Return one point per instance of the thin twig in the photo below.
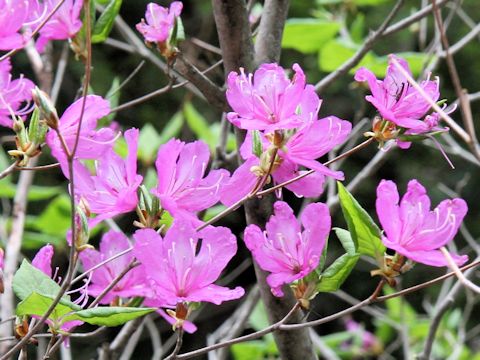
(9, 169)
(453, 266)
(466, 111)
(178, 344)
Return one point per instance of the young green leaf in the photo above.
(346, 240)
(336, 274)
(29, 279)
(308, 35)
(104, 23)
(363, 230)
(38, 304)
(199, 125)
(108, 315)
(257, 145)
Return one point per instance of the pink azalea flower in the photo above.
(414, 231)
(268, 100)
(43, 260)
(283, 249)
(132, 284)
(113, 190)
(13, 15)
(12, 94)
(180, 273)
(183, 188)
(92, 143)
(159, 21)
(313, 140)
(64, 24)
(395, 99)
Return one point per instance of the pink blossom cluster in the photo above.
(285, 112)
(19, 18)
(400, 103)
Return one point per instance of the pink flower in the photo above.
(178, 271)
(43, 260)
(113, 190)
(160, 21)
(395, 99)
(92, 143)
(283, 249)
(268, 100)
(132, 284)
(414, 231)
(12, 94)
(13, 15)
(64, 24)
(182, 187)
(313, 140)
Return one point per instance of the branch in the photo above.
(270, 31)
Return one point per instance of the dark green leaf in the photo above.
(335, 275)
(363, 230)
(104, 23)
(308, 35)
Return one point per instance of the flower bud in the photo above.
(47, 110)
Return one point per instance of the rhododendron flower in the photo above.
(178, 271)
(132, 284)
(283, 249)
(113, 190)
(182, 188)
(411, 229)
(92, 143)
(394, 97)
(13, 15)
(12, 94)
(64, 24)
(159, 21)
(268, 100)
(313, 140)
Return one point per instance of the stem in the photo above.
(453, 266)
(178, 345)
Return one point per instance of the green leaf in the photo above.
(172, 128)
(108, 315)
(363, 230)
(104, 23)
(34, 240)
(213, 211)
(257, 145)
(336, 274)
(308, 35)
(346, 240)
(199, 125)
(148, 143)
(357, 28)
(336, 52)
(55, 219)
(29, 279)
(38, 304)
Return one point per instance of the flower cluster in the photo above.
(403, 110)
(285, 134)
(18, 19)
